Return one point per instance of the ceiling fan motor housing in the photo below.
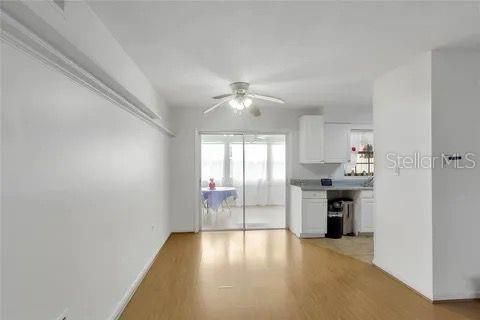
(240, 88)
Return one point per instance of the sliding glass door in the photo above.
(264, 182)
(242, 181)
(221, 198)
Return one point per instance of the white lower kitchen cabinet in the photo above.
(364, 203)
(308, 213)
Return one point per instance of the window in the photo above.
(278, 162)
(255, 161)
(236, 162)
(212, 161)
(222, 159)
(362, 154)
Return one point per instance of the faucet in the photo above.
(369, 182)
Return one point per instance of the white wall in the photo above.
(427, 220)
(1, 192)
(82, 36)
(84, 195)
(360, 115)
(273, 120)
(403, 214)
(456, 218)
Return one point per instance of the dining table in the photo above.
(214, 198)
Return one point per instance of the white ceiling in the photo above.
(308, 53)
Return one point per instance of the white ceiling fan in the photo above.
(241, 99)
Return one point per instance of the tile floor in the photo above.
(360, 247)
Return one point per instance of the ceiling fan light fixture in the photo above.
(235, 104)
(241, 98)
(240, 103)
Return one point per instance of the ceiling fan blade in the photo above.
(223, 96)
(254, 111)
(266, 98)
(215, 106)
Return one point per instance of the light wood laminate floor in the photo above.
(256, 217)
(273, 275)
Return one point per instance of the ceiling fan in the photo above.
(241, 99)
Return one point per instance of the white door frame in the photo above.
(197, 167)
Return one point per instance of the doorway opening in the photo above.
(243, 181)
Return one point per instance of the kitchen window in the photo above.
(361, 154)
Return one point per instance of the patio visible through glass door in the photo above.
(221, 200)
(242, 181)
(265, 181)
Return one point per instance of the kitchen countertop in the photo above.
(340, 184)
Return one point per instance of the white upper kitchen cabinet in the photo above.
(321, 142)
(311, 139)
(336, 137)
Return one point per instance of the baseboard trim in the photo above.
(472, 296)
(306, 235)
(136, 283)
(391, 276)
(365, 234)
(183, 231)
(435, 300)
(440, 301)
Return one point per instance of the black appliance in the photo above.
(326, 182)
(335, 219)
